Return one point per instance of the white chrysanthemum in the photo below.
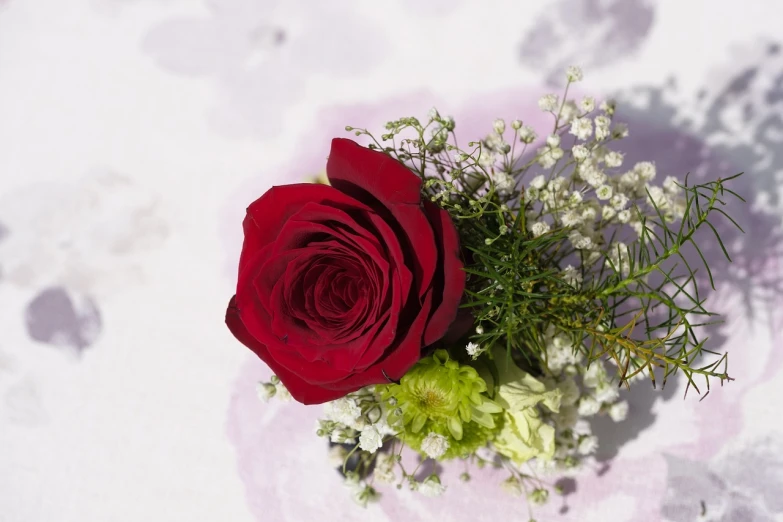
(539, 228)
(603, 192)
(618, 411)
(588, 445)
(548, 102)
(265, 391)
(580, 152)
(619, 201)
(588, 406)
(370, 439)
(587, 104)
(499, 125)
(538, 182)
(527, 134)
(431, 487)
(434, 445)
(582, 128)
(613, 159)
(572, 276)
(574, 74)
(343, 410)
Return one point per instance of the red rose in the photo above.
(342, 286)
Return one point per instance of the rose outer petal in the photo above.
(301, 391)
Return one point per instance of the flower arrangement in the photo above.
(478, 303)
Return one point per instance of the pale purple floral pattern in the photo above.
(260, 55)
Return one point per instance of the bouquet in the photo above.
(478, 301)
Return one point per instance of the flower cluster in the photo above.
(567, 280)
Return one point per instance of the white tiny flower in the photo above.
(548, 102)
(499, 126)
(282, 392)
(670, 185)
(473, 350)
(619, 201)
(567, 417)
(516, 125)
(557, 184)
(579, 241)
(434, 445)
(603, 192)
(571, 218)
(582, 128)
(384, 469)
(539, 228)
(342, 435)
(538, 182)
(624, 216)
(512, 486)
(553, 140)
(265, 391)
(545, 158)
(580, 152)
(504, 183)
(602, 122)
(657, 197)
(433, 114)
(570, 392)
(587, 104)
(618, 411)
(595, 375)
(336, 456)
(527, 134)
(431, 487)
(588, 444)
(531, 194)
(365, 495)
(620, 131)
(589, 213)
(607, 392)
(343, 410)
(479, 329)
(370, 439)
(645, 170)
(607, 106)
(607, 213)
(556, 153)
(582, 427)
(588, 406)
(613, 159)
(572, 276)
(574, 74)
(601, 133)
(568, 112)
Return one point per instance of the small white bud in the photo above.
(516, 125)
(434, 445)
(499, 126)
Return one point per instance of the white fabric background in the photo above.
(133, 133)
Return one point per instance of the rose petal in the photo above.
(449, 283)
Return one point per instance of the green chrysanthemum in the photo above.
(441, 395)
